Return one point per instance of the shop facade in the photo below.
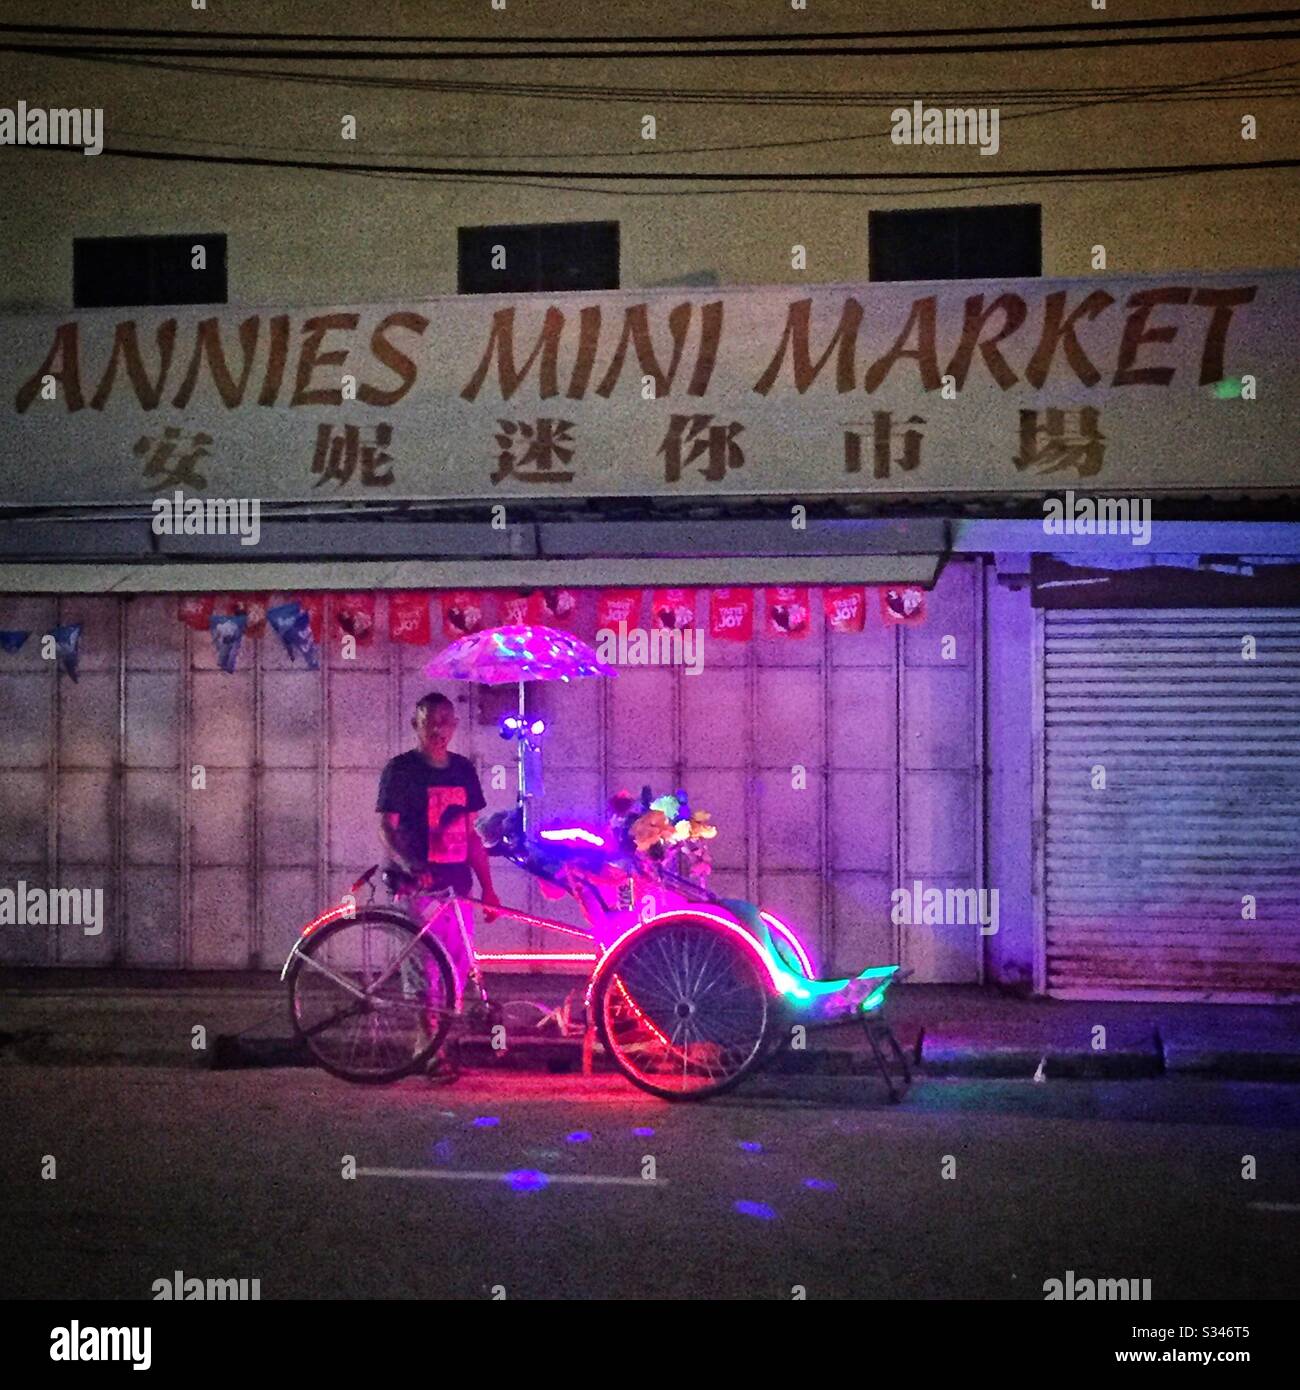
(1111, 775)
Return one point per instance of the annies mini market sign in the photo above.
(1140, 384)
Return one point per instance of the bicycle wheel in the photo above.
(684, 1009)
(370, 1001)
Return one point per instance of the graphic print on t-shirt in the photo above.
(449, 845)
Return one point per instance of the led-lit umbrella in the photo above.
(515, 655)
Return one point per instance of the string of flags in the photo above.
(63, 643)
(299, 620)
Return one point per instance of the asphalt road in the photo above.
(801, 1182)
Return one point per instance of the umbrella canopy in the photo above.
(504, 655)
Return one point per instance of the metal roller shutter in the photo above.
(1144, 880)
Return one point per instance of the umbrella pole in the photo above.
(523, 773)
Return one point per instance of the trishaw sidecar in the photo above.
(689, 991)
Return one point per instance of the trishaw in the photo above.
(688, 992)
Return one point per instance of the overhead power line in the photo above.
(692, 52)
(852, 35)
(716, 176)
(663, 94)
(1152, 96)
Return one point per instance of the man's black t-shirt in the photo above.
(431, 827)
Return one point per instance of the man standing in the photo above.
(427, 799)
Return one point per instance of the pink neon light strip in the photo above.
(694, 914)
(796, 945)
(535, 955)
(528, 917)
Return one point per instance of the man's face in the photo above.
(434, 728)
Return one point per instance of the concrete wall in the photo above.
(1009, 646)
(312, 237)
(835, 766)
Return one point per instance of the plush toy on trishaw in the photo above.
(689, 992)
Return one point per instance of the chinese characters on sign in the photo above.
(773, 390)
(1067, 439)
(337, 456)
(547, 442)
(182, 472)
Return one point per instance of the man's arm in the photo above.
(480, 863)
(388, 822)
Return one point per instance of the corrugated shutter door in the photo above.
(1144, 880)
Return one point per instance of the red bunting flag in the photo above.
(845, 607)
(551, 607)
(618, 606)
(672, 608)
(355, 615)
(253, 608)
(408, 617)
(731, 614)
(512, 606)
(463, 612)
(194, 610)
(903, 604)
(313, 604)
(788, 613)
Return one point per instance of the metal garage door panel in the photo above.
(789, 719)
(289, 901)
(643, 729)
(154, 719)
(715, 730)
(938, 813)
(151, 915)
(221, 818)
(951, 610)
(1144, 879)
(353, 823)
(88, 720)
(360, 727)
(862, 821)
(155, 636)
(862, 710)
(572, 716)
(864, 933)
(289, 818)
(25, 945)
(222, 918)
(291, 722)
(32, 615)
(86, 818)
(74, 946)
(25, 716)
(23, 838)
(789, 820)
(938, 731)
(153, 818)
(222, 734)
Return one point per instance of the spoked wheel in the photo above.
(684, 1009)
(371, 1001)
